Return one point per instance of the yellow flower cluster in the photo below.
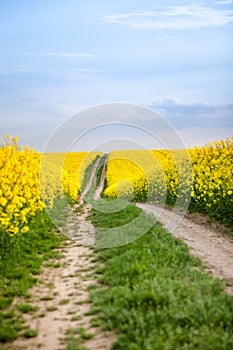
(148, 175)
(30, 181)
(19, 186)
(204, 174)
(213, 180)
(74, 168)
(63, 173)
(130, 173)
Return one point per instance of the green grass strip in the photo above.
(157, 296)
(21, 258)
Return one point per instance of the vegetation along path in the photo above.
(205, 241)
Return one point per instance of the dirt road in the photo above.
(211, 246)
(205, 241)
(62, 296)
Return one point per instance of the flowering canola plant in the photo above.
(31, 181)
(201, 176)
(132, 174)
(149, 175)
(213, 180)
(63, 173)
(19, 186)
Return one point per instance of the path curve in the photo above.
(212, 247)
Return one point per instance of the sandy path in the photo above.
(62, 295)
(62, 299)
(90, 181)
(99, 189)
(214, 248)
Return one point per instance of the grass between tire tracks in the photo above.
(156, 295)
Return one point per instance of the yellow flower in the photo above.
(3, 201)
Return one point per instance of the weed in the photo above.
(51, 308)
(76, 318)
(80, 302)
(64, 301)
(29, 333)
(26, 308)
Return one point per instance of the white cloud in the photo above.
(224, 2)
(50, 53)
(175, 17)
(88, 70)
(66, 54)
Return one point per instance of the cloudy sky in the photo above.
(58, 58)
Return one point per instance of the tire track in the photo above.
(62, 296)
(213, 248)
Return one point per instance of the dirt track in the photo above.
(212, 247)
(62, 297)
(205, 241)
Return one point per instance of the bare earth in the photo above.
(205, 241)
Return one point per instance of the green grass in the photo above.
(118, 223)
(76, 318)
(157, 296)
(89, 196)
(51, 308)
(64, 301)
(21, 259)
(26, 308)
(88, 173)
(76, 337)
(46, 298)
(30, 333)
(100, 170)
(52, 264)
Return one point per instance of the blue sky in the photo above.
(58, 58)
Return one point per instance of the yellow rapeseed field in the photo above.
(30, 181)
(70, 167)
(201, 176)
(149, 175)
